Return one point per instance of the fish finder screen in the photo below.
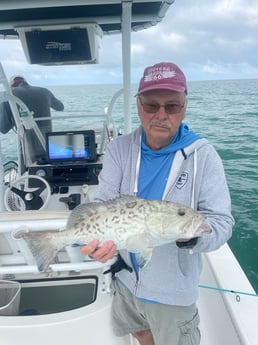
(71, 146)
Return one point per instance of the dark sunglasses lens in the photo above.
(151, 107)
(171, 108)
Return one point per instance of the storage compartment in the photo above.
(57, 295)
(9, 297)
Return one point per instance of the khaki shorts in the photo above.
(170, 325)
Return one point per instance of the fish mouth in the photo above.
(202, 229)
(199, 226)
(196, 227)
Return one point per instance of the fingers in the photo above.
(183, 239)
(90, 248)
(103, 253)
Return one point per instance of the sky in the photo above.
(208, 39)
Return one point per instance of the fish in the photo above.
(132, 223)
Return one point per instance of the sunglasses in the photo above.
(152, 108)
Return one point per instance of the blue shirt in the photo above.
(155, 165)
(155, 168)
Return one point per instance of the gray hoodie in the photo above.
(196, 179)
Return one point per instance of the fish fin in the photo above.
(138, 243)
(41, 245)
(90, 208)
(121, 200)
(124, 199)
(82, 210)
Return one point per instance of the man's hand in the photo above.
(101, 254)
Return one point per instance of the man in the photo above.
(163, 159)
(39, 100)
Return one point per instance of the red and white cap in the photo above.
(164, 75)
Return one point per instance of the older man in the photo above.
(163, 159)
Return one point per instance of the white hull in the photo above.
(226, 318)
(89, 325)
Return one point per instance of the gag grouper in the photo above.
(132, 223)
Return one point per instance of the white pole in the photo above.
(126, 56)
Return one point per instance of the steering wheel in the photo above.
(20, 196)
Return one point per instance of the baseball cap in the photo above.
(163, 75)
(16, 79)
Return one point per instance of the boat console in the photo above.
(65, 175)
(61, 179)
(71, 160)
(68, 182)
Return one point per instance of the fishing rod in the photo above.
(228, 290)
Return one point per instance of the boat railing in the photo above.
(105, 129)
(102, 123)
(23, 119)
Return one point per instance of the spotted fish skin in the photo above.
(132, 223)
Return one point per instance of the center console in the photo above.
(59, 175)
(71, 184)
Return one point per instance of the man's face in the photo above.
(161, 113)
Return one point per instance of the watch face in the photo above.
(41, 173)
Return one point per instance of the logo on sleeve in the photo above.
(182, 180)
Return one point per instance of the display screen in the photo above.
(58, 46)
(71, 146)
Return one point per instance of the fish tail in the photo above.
(43, 246)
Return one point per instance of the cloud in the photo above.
(209, 39)
(216, 38)
(212, 68)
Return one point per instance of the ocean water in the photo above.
(224, 112)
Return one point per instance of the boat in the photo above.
(71, 301)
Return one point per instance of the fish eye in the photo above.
(181, 212)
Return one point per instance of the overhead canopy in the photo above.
(107, 13)
(112, 16)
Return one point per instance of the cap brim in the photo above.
(170, 87)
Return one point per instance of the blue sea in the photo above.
(224, 112)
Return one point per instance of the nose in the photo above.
(161, 114)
